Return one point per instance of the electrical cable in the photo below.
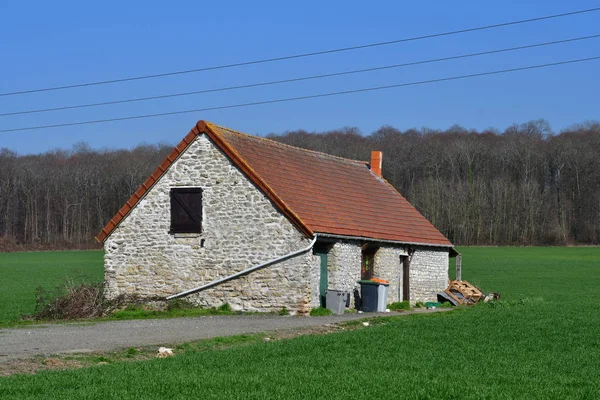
(300, 97)
(251, 85)
(302, 55)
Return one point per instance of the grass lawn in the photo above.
(541, 342)
(22, 273)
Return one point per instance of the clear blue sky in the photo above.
(55, 43)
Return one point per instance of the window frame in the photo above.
(193, 227)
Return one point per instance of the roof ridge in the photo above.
(288, 145)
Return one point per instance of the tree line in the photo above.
(62, 198)
(524, 186)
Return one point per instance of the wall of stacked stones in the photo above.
(388, 267)
(241, 228)
(428, 270)
(428, 273)
(343, 268)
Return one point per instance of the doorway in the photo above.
(367, 263)
(404, 260)
(321, 252)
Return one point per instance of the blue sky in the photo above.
(56, 43)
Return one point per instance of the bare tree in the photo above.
(526, 185)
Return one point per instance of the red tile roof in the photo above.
(318, 192)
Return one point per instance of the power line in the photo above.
(302, 55)
(98, 121)
(251, 85)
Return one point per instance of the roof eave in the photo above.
(385, 241)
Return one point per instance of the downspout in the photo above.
(244, 272)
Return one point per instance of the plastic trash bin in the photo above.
(374, 295)
(335, 300)
(382, 294)
(369, 294)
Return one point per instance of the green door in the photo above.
(323, 282)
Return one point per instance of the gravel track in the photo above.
(48, 339)
(25, 342)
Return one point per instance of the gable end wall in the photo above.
(241, 229)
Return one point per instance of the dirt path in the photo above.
(49, 339)
(80, 338)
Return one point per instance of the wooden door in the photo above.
(405, 278)
(322, 250)
(367, 265)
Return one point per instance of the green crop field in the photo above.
(541, 342)
(22, 273)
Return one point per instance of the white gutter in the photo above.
(244, 272)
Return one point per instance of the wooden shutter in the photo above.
(186, 210)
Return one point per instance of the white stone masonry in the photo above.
(241, 228)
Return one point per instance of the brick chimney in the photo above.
(376, 157)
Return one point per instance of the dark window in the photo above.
(186, 210)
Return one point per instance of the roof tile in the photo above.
(318, 192)
(331, 194)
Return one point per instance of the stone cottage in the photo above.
(244, 220)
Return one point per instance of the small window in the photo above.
(186, 210)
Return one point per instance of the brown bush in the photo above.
(86, 300)
(80, 301)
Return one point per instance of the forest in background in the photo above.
(524, 186)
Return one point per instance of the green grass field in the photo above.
(541, 342)
(22, 273)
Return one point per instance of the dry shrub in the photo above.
(80, 301)
(9, 243)
(86, 300)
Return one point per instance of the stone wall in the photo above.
(343, 267)
(428, 270)
(387, 266)
(428, 273)
(240, 229)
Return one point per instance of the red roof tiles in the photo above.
(318, 192)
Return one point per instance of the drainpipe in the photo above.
(244, 272)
